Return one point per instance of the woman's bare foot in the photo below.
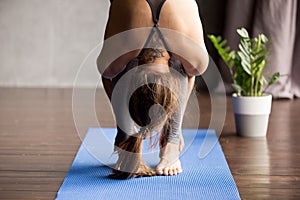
(169, 164)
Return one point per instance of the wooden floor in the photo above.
(38, 142)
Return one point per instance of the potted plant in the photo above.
(251, 104)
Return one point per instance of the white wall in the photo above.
(43, 42)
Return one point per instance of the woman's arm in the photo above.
(123, 37)
(186, 41)
(115, 52)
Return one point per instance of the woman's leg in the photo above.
(108, 87)
(172, 142)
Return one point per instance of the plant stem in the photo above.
(252, 80)
(258, 74)
(252, 83)
(252, 57)
(256, 86)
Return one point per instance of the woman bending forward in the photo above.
(160, 49)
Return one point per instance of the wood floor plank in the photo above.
(35, 162)
(265, 181)
(269, 193)
(29, 183)
(31, 174)
(27, 195)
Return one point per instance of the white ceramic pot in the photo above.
(252, 115)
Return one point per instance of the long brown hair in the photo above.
(151, 106)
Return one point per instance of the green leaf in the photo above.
(212, 38)
(219, 38)
(244, 48)
(259, 68)
(258, 43)
(261, 52)
(274, 78)
(223, 51)
(237, 88)
(226, 49)
(245, 62)
(264, 38)
(223, 43)
(243, 33)
(232, 54)
(259, 61)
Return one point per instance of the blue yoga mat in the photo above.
(202, 178)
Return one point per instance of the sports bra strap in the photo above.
(156, 9)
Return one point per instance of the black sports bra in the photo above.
(156, 7)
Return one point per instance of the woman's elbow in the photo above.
(203, 64)
(198, 65)
(100, 66)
